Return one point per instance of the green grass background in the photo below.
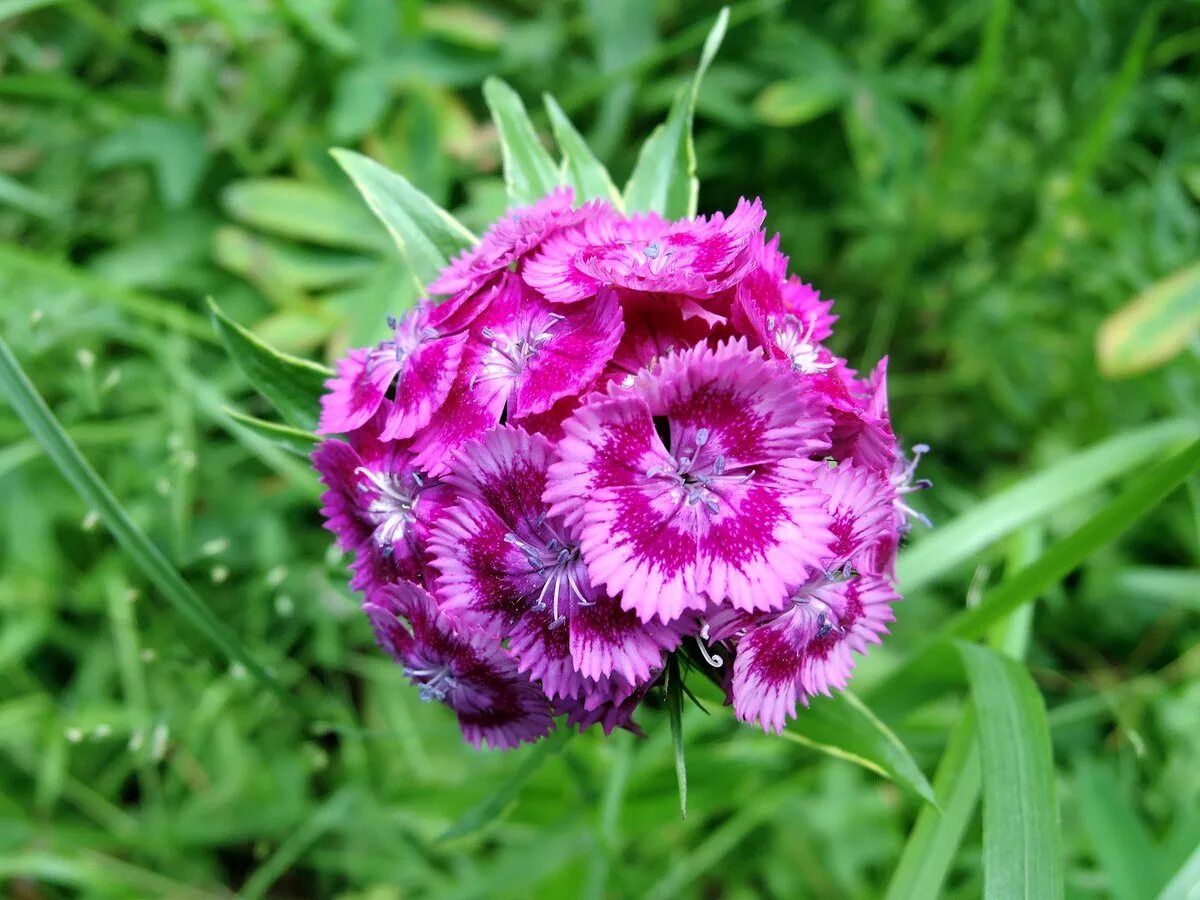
(978, 184)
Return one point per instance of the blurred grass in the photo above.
(980, 185)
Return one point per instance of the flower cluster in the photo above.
(612, 438)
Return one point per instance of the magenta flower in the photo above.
(513, 236)
(495, 704)
(523, 354)
(694, 257)
(723, 508)
(617, 438)
(379, 505)
(418, 359)
(512, 569)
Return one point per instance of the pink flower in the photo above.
(617, 438)
(522, 356)
(418, 359)
(807, 648)
(379, 505)
(495, 704)
(519, 232)
(718, 505)
(696, 257)
(512, 569)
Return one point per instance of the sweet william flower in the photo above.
(512, 568)
(612, 439)
(379, 504)
(721, 506)
(495, 705)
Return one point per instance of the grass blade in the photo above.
(673, 685)
(1186, 883)
(1120, 841)
(494, 805)
(1153, 327)
(1022, 847)
(294, 440)
(843, 726)
(58, 445)
(147, 307)
(427, 234)
(581, 169)
(292, 384)
(529, 172)
(304, 211)
(1141, 496)
(939, 551)
(664, 178)
(936, 836)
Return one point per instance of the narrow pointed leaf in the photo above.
(296, 209)
(936, 553)
(426, 234)
(292, 384)
(935, 838)
(33, 411)
(1155, 326)
(1143, 494)
(1022, 846)
(844, 727)
(529, 172)
(1121, 843)
(586, 174)
(664, 178)
(1185, 885)
(674, 690)
(498, 801)
(294, 440)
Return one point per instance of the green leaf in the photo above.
(281, 267)
(938, 832)
(1143, 494)
(1121, 843)
(800, 100)
(427, 234)
(41, 422)
(175, 149)
(305, 212)
(664, 178)
(1186, 883)
(1153, 327)
(494, 805)
(1022, 847)
(294, 440)
(581, 169)
(529, 172)
(156, 310)
(844, 727)
(292, 384)
(673, 685)
(937, 552)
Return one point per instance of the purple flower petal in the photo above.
(808, 648)
(510, 238)
(421, 361)
(693, 256)
(727, 511)
(495, 704)
(379, 504)
(512, 570)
